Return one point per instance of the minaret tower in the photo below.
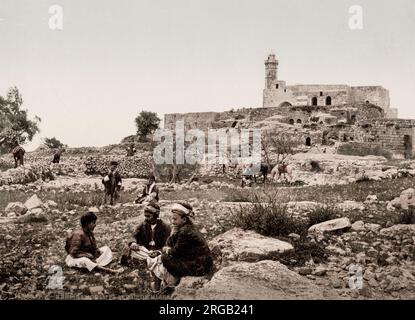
(271, 71)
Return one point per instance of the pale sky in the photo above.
(115, 58)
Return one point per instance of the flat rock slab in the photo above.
(330, 226)
(33, 202)
(265, 280)
(240, 245)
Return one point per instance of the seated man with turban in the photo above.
(186, 252)
(149, 237)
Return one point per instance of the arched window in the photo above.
(314, 101)
(308, 141)
(298, 120)
(328, 101)
(291, 121)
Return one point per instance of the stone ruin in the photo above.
(316, 114)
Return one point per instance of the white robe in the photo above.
(104, 259)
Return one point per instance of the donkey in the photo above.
(281, 169)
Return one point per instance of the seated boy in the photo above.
(82, 249)
(150, 191)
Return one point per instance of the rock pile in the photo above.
(137, 166)
(26, 174)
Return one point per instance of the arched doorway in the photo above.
(299, 121)
(328, 101)
(308, 142)
(314, 101)
(291, 122)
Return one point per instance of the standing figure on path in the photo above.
(82, 249)
(131, 150)
(248, 175)
(57, 155)
(112, 182)
(150, 191)
(18, 155)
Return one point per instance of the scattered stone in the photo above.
(93, 209)
(331, 225)
(96, 289)
(320, 271)
(358, 226)
(51, 204)
(16, 207)
(33, 202)
(337, 283)
(304, 271)
(371, 198)
(36, 211)
(294, 236)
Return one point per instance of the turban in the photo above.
(152, 207)
(182, 210)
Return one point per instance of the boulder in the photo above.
(93, 209)
(407, 198)
(371, 198)
(394, 204)
(51, 204)
(33, 202)
(358, 226)
(240, 245)
(265, 280)
(36, 211)
(330, 226)
(17, 207)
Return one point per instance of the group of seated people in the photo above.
(169, 251)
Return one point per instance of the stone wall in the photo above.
(372, 94)
(199, 120)
(337, 93)
(396, 135)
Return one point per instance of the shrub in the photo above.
(321, 214)
(315, 166)
(363, 178)
(269, 218)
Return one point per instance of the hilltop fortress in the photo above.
(277, 93)
(317, 114)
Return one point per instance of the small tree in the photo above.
(15, 127)
(147, 122)
(279, 143)
(53, 143)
